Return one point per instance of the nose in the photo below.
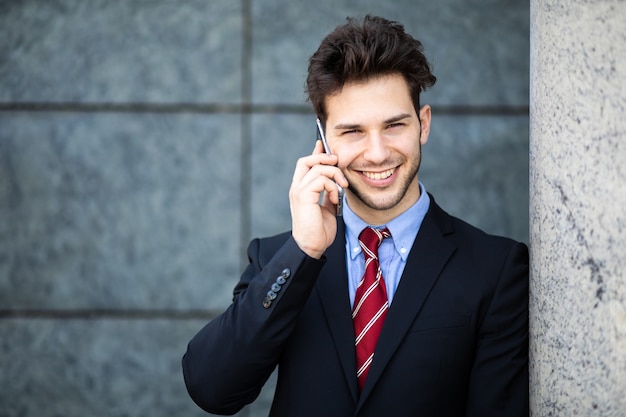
(376, 150)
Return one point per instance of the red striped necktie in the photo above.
(370, 302)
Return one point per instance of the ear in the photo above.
(425, 122)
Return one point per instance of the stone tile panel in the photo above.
(479, 48)
(130, 211)
(75, 368)
(120, 52)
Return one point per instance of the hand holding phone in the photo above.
(322, 137)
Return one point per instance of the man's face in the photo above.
(377, 135)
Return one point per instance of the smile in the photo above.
(379, 175)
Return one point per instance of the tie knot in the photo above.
(371, 238)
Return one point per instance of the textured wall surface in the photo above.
(578, 208)
(142, 144)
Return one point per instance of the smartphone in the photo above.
(322, 137)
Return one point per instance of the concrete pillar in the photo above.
(578, 208)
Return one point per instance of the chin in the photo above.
(378, 201)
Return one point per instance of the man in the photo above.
(428, 316)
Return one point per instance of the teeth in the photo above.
(379, 175)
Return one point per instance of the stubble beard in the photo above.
(393, 200)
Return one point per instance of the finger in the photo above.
(327, 203)
(310, 191)
(306, 163)
(331, 196)
(327, 171)
(333, 172)
(319, 147)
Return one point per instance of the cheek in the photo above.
(406, 149)
(414, 147)
(346, 156)
(418, 149)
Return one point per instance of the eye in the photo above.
(349, 132)
(395, 125)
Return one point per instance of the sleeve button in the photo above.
(276, 287)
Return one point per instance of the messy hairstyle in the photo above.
(361, 50)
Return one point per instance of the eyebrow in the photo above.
(388, 121)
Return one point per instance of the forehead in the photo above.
(376, 97)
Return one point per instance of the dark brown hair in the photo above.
(360, 50)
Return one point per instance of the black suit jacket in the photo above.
(454, 343)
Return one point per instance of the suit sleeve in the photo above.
(499, 378)
(228, 362)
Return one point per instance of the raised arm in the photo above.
(230, 359)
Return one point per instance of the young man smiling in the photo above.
(394, 309)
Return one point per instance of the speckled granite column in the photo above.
(578, 208)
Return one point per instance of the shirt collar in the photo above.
(403, 228)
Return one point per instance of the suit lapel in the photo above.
(332, 286)
(426, 260)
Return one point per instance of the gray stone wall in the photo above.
(578, 208)
(142, 144)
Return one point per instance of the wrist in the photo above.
(309, 250)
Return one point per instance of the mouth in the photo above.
(378, 176)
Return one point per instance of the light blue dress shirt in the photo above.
(393, 252)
